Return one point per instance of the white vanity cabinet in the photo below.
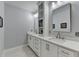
(63, 52)
(37, 46)
(44, 48)
(48, 49)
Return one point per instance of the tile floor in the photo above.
(21, 51)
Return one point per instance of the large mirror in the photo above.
(61, 17)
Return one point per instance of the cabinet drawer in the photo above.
(65, 52)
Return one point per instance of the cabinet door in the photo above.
(43, 49)
(30, 41)
(48, 49)
(37, 46)
(66, 53)
(51, 50)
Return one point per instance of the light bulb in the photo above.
(36, 15)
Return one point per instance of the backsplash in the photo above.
(70, 36)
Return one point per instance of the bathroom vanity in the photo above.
(45, 46)
(52, 47)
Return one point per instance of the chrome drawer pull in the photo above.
(47, 47)
(65, 52)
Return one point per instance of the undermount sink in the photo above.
(40, 35)
(57, 40)
(53, 39)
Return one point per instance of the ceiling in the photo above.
(27, 5)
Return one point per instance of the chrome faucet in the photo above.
(58, 35)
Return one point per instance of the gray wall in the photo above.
(2, 29)
(17, 23)
(74, 21)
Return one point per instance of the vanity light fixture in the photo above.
(36, 15)
(54, 4)
(59, 2)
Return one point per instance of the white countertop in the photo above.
(73, 45)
